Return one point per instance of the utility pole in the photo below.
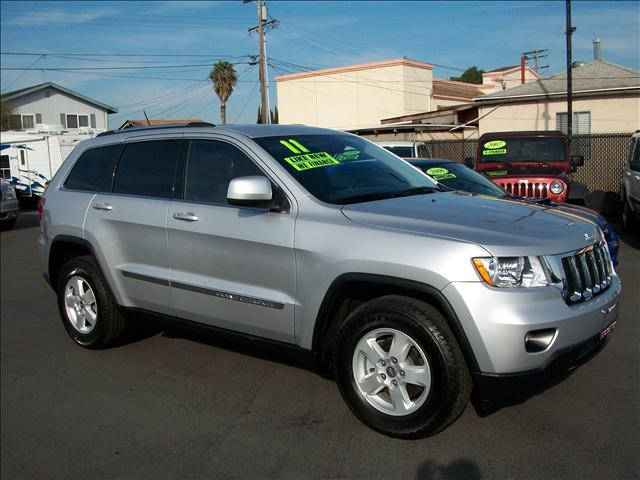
(569, 32)
(262, 28)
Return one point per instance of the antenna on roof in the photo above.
(145, 116)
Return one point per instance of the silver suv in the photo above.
(630, 191)
(324, 243)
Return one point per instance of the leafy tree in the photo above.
(471, 75)
(273, 114)
(224, 78)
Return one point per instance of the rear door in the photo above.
(129, 223)
(231, 267)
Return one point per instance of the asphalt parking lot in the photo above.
(177, 405)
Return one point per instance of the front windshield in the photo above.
(405, 152)
(458, 177)
(343, 168)
(511, 150)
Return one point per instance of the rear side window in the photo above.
(211, 165)
(147, 168)
(93, 171)
(634, 164)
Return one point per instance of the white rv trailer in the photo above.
(29, 160)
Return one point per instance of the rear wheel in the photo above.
(400, 369)
(87, 307)
(629, 222)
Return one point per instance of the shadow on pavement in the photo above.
(456, 469)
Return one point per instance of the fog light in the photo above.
(539, 340)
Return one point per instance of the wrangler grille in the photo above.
(529, 190)
(586, 273)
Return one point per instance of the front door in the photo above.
(231, 267)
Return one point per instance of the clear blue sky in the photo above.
(318, 34)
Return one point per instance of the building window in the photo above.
(23, 160)
(581, 129)
(581, 123)
(75, 121)
(21, 122)
(5, 167)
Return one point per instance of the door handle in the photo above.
(102, 206)
(186, 217)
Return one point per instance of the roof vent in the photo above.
(597, 54)
(577, 63)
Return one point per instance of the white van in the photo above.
(403, 149)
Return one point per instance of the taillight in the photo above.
(41, 203)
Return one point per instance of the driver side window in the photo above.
(211, 165)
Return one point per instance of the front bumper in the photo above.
(9, 209)
(496, 322)
(492, 389)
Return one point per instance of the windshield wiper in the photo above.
(370, 197)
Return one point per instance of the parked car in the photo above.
(459, 177)
(403, 149)
(8, 205)
(325, 244)
(534, 164)
(630, 190)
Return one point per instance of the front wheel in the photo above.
(400, 369)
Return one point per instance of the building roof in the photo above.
(27, 90)
(598, 77)
(355, 68)
(155, 122)
(457, 90)
(503, 69)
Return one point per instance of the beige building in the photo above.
(606, 98)
(361, 96)
(355, 95)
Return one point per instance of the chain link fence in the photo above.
(604, 156)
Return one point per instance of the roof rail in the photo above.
(156, 127)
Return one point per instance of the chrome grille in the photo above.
(529, 190)
(586, 273)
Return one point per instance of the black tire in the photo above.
(8, 224)
(110, 324)
(450, 379)
(629, 222)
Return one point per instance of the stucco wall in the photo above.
(608, 114)
(50, 103)
(354, 99)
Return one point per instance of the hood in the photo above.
(503, 227)
(531, 169)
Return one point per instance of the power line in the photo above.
(19, 76)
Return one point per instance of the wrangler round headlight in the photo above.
(556, 187)
(512, 271)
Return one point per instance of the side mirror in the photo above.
(577, 160)
(468, 161)
(252, 191)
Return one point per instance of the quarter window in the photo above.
(147, 168)
(93, 171)
(211, 165)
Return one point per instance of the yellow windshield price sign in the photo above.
(438, 173)
(495, 147)
(307, 161)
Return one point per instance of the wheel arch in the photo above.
(350, 290)
(64, 248)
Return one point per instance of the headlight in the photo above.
(556, 187)
(7, 192)
(512, 271)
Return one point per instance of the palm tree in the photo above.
(224, 78)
